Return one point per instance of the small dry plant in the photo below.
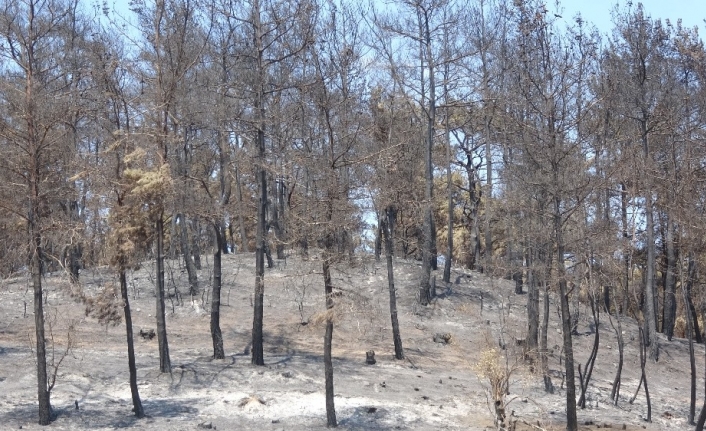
(495, 371)
(56, 355)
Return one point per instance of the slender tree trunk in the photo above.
(543, 347)
(670, 283)
(430, 225)
(399, 352)
(279, 221)
(532, 305)
(258, 303)
(626, 253)
(165, 364)
(449, 181)
(241, 208)
(196, 248)
(586, 378)
(33, 225)
(328, 337)
(450, 218)
(702, 419)
(186, 253)
(694, 315)
(686, 287)
(260, 239)
(474, 203)
(378, 238)
(43, 394)
(618, 328)
(216, 335)
(136, 402)
(488, 197)
(424, 283)
(571, 418)
(649, 306)
(643, 376)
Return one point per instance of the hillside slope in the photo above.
(436, 387)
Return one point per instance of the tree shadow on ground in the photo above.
(95, 415)
(366, 418)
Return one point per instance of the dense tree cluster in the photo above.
(483, 131)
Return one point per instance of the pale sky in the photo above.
(599, 12)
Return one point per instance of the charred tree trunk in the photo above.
(618, 328)
(571, 419)
(136, 402)
(196, 248)
(260, 238)
(543, 347)
(279, 220)
(532, 305)
(186, 253)
(216, 335)
(694, 317)
(586, 378)
(258, 311)
(241, 208)
(643, 376)
(399, 352)
(165, 364)
(686, 287)
(626, 257)
(430, 250)
(519, 282)
(425, 295)
(328, 338)
(650, 308)
(670, 283)
(43, 394)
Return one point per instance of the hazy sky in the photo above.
(599, 12)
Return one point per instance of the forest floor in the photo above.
(436, 387)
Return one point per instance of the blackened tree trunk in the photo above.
(519, 282)
(241, 209)
(694, 316)
(216, 335)
(643, 378)
(626, 252)
(278, 216)
(186, 253)
(425, 296)
(196, 247)
(399, 352)
(378, 239)
(571, 419)
(43, 394)
(165, 364)
(585, 378)
(260, 236)
(328, 337)
(258, 311)
(532, 305)
(543, 347)
(686, 287)
(649, 305)
(670, 282)
(429, 224)
(702, 419)
(474, 202)
(618, 328)
(136, 402)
